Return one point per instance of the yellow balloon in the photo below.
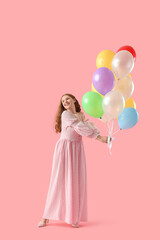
(129, 75)
(94, 90)
(130, 103)
(104, 59)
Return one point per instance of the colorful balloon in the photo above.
(94, 90)
(122, 64)
(105, 118)
(113, 104)
(125, 86)
(92, 104)
(130, 103)
(129, 49)
(128, 118)
(103, 80)
(104, 59)
(116, 80)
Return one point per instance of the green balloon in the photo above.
(92, 104)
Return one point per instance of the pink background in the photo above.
(49, 48)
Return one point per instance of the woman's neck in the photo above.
(72, 111)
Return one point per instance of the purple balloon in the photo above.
(103, 80)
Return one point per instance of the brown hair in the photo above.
(61, 109)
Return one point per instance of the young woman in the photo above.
(67, 194)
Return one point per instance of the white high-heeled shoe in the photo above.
(73, 225)
(42, 224)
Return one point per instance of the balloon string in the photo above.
(110, 139)
(116, 131)
(112, 126)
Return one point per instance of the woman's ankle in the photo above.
(44, 220)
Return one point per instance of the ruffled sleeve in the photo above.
(84, 128)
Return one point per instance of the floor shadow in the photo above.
(92, 223)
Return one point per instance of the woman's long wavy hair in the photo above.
(61, 109)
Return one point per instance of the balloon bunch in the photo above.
(112, 87)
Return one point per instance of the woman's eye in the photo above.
(66, 99)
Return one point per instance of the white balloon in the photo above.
(104, 118)
(125, 86)
(122, 63)
(113, 104)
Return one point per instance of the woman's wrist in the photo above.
(98, 137)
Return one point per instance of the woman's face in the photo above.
(68, 102)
